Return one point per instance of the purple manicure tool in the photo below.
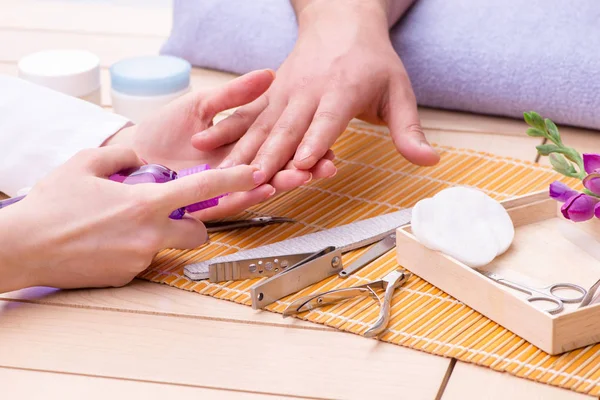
(152, 173)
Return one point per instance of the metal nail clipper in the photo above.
(389, 283)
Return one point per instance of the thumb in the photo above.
(402, 118)
(235, 93)
(105, 161)
(186, 233)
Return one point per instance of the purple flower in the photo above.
(592, 183)
(591, 163)
(580, 207)
(597, 210)
(561, 192)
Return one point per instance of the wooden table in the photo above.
(151, 341)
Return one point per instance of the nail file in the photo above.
(346, 237)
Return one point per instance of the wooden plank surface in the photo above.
(212, 354)
(471, 382)
(27, 384)
(150, 298)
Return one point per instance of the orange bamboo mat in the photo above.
(373, 179)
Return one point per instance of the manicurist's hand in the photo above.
(343, 66)
(165, 138)
(76, 228)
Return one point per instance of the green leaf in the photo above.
(552, 131)
(572, 155)
(546, 149)
(561, 165)
(537, 121)
(535, 132)
(527, 118)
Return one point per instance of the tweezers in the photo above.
(389, 283)
(218, 226)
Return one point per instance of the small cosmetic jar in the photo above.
(142, 85)
(72, 72)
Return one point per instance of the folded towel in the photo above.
(498, 57)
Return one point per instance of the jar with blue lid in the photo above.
(142, 85)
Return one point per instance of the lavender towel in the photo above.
(497, 57)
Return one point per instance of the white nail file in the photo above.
(346, 237)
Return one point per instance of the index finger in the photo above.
(206, 185)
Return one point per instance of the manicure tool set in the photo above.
(294, 264)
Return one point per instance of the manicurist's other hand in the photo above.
(76, 228)
(343, 66)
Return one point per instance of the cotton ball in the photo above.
(463, 223)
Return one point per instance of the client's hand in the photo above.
(165, 138)
(76, 228)
(342, 66)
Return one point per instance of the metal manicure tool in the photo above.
(546, 294)
(389, 283)
(294, 264)
(218, 226)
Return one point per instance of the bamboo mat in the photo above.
(373, 179)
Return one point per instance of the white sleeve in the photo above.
(41, 129)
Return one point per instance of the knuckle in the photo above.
(199, 189)
(146, 244)
(415, 128)
(240, 114)
(260, 129)
(304, 82)
(141, 208)
(87, 156)
(327, 116)
(285, 128)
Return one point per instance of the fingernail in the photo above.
(207, 238)
(271, 72)
(226, 164)
(309, 178)
(144, 161)
(272, 193)
(422, 143)
(199, 134)
(259, 177)
(334, 173)
(303, 153)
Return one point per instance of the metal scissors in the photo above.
(389, 283)
(218, 226)
(543, 294)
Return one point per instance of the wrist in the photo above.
(123, 137)
(366, 13)
(15, 266)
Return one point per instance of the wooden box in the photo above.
(540, 255)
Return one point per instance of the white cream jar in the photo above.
(72, 72)
(142, 85)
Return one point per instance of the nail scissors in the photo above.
(543, 294)
(218, 226)
(389, 283)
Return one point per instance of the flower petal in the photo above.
(592, 183)
(579, 208)
(591, 162)
(597, 210)
(561, 192)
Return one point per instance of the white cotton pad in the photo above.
(465, 224)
